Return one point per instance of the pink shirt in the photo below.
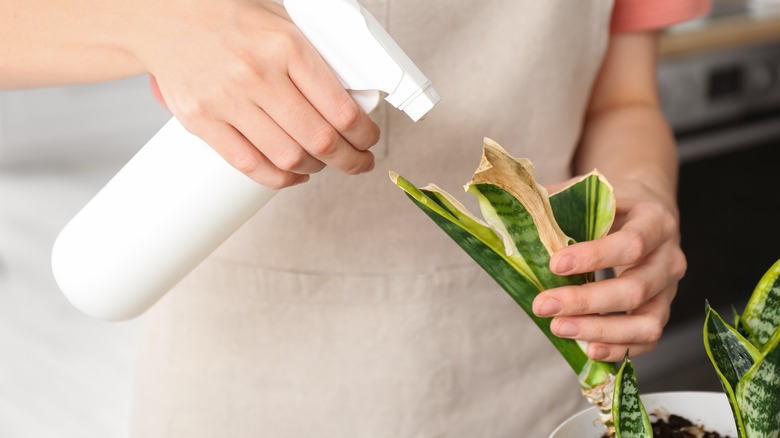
(644, 15)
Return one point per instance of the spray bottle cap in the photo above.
(363, 55)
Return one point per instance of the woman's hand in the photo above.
(237, 73)
(630, 310)
(627, 139)
(242, 77)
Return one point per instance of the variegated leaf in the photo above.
(762, 313)
(518, 223)
(628, 413)
(758, 394)
(732, 356)
(731, 353)
(515, 176)
(515, 241)
(585, 209)
(486, 248)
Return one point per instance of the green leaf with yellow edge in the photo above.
(732, 356)
(628, 413)
(591, 193)
(501, 207)
(762, 313)
(511, 272)
(516, 239)
(758, 393)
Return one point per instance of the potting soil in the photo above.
(679, 427)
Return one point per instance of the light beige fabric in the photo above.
(340, 310)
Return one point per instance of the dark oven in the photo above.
(724, 107)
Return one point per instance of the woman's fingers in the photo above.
(241, 154)
(248, 82)
(646, 227)
(627, 292)
(293, 113)
(616, 353)
(311, 75)
(272, 142)
(609, 336)
(635, 328)
(627, 312)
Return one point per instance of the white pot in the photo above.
(710, 409)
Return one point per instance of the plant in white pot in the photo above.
(699, 414)
(522, 227)
(745, 356)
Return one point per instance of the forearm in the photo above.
(55, 42)
(625, 135)
(626, 138)
(236, 73)
(631, 143)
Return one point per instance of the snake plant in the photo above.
(522, 227)
(630, 420)
(747, 358)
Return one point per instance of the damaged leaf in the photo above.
(518, 233)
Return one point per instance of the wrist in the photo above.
(646, 187)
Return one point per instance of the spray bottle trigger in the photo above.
(367, 99)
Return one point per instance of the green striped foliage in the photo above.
(518, 233)
(732, 356)
(747, 359)
(628, 413)
(590, 194)
(758, 394)
(762, 313)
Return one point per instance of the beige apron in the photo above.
(341, 310)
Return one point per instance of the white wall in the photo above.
(62, 374)
(106, 120)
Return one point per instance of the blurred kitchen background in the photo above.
(64, 375)
(719, 82)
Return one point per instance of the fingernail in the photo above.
(565, 264)
(548, 307)
(567, 329)
(301, 179)
(599, 353)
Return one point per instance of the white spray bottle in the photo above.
(177, 200)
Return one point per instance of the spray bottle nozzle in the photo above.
(362, 54)
(420, 103)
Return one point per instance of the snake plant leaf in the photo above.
(585, 209)
(730, 352)
(628, 413)
(486, 248)
(758, 394)
(515, 241)
(515, 176)
(499, 205)
(732, 356)
(762, 313)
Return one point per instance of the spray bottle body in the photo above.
(169, 207)
(177, 200)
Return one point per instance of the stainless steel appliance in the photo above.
(724, 107)
(723, 101)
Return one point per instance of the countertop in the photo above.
(732, 24)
